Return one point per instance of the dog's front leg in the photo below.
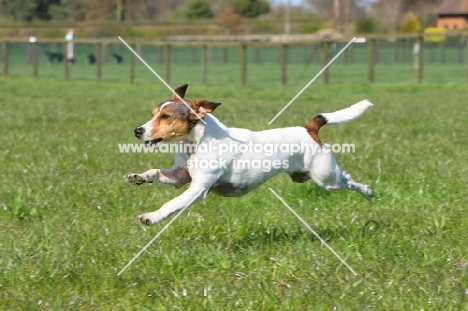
(191, 195)
(176, 177)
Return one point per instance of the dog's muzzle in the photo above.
(139, 132)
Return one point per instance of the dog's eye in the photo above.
(165, 116)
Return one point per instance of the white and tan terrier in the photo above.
(239, 168)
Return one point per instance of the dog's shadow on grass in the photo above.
(263, 235)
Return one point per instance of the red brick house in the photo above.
(453, 14)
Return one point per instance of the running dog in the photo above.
(232, 161)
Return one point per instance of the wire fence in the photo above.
(375, 60)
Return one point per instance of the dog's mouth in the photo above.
(153, 143)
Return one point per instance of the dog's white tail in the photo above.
(348, 114)
(340, 116)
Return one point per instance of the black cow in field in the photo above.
(117, 58)
(54, 57)
(91, 59)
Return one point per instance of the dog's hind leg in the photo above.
(365, 190)
(328, 175)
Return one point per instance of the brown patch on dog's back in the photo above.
(314, 126)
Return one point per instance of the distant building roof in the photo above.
(453, 7)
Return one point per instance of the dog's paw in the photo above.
(149, 219)
(137, 179)
(368, 193)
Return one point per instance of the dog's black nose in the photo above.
(139, 131)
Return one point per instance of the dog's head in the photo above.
(173, 119)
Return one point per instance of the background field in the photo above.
(68, 215)
(444, 62)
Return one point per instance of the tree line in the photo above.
(127, 10)
(344, 15)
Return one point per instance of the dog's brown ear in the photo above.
(180, 91)
(201, 107)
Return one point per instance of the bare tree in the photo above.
(389, 12)
(339, 12)
(324, 7)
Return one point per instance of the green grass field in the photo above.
(68, 216)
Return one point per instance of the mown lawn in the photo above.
(68, 216)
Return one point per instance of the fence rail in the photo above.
(399, 59)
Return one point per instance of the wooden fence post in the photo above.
(243, 63)
(34, 58)
(29, 53)
(99, 61)
(5, 57)
(104, 55)
(225, 55)
(160, 53)
(310, 53)
(194, 54)
(326, 56)
(419, 59)
(346, 56)
(204, 62)
(66, 65)
(132, 65)
(408, 50)
(377, 51)
(138, 48)
(167, 63)
(284, 61)
(442, 51)
(460, 52)
(432, 56)
(371, 60)
(395, 52)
